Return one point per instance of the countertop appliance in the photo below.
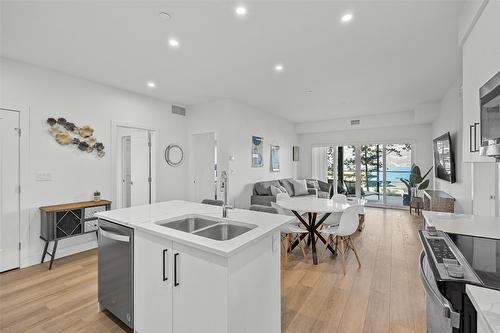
(489, 95)
(447, 263)
(116, 270)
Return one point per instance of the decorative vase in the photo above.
(97, 197)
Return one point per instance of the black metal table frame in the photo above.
(312, 228)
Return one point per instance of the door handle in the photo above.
(113, 236)
(176, 282)
(165, 278)
(453, 316)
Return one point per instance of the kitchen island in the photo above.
(190, 275)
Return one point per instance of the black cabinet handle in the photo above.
(176, 283)
(472, 134)
(165, 278)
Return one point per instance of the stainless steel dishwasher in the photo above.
(116, 270)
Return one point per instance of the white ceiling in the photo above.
(392, 56)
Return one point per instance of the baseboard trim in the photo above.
(34, 258)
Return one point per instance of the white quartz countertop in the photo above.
(487, 304)
(471, 225)
(147, 217)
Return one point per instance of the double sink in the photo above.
(220, 230)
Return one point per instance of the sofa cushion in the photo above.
(264, 188)
(299, 187)
(288, 186)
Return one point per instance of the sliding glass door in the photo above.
(370, 171)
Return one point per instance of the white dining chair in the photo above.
(291, 231)
(342, 233)
(334, 218)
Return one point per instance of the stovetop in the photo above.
(483, 255)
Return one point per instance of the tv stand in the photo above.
(438, 201)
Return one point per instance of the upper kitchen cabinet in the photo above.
(481, 61)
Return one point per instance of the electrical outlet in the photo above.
(43, 176)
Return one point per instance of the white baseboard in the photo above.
(34, 258)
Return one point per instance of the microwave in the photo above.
(489, 96)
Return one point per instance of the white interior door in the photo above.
(134, 169)
(204, 166)
(484, 189)
(9, 190)
(139, 168)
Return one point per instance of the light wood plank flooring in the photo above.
(385, 295)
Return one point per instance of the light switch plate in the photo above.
(43, 176)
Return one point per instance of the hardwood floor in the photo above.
(384, 295)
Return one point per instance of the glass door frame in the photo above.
(357, 149)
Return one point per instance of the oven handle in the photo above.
(113, 236)
(447, 311)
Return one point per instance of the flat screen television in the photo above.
(444, 159)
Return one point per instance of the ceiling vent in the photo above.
(354, 122)
(180, 110)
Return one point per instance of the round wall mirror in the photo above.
(174, 155)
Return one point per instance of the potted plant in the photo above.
(97, 196)
(416, 183)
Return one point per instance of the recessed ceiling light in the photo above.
(165, 15)
(241, 11)
(347, 17)
(278, 68)
(173, 42)
(151, 84)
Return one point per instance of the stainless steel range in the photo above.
(447, 263)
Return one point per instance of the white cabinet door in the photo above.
(484, 189)
(200, 282)
(153, 284)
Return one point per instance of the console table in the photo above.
(68, 220)
(438, 201)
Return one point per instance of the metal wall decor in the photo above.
(66, 133)
(174, 155)
(295, 153)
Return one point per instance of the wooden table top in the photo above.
(74, 205)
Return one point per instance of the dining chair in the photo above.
(212, 202)
(291, 231)
(334, 218)
(342, 234)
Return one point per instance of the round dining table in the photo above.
(314, 206)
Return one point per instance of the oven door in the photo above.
(440, 314)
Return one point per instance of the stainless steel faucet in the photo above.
(224, 182)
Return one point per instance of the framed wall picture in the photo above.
(295, 153)
(257, 152)
(275, 158)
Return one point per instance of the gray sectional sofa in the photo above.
(262, 190)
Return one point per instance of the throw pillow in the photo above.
(288, 186)
(299, 186)
(262, 189)
(313, 184)
(275, 190)
(283, 190)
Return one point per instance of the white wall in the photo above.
(234, 124)
(450, 120)
(77, 175)
(418, 135)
